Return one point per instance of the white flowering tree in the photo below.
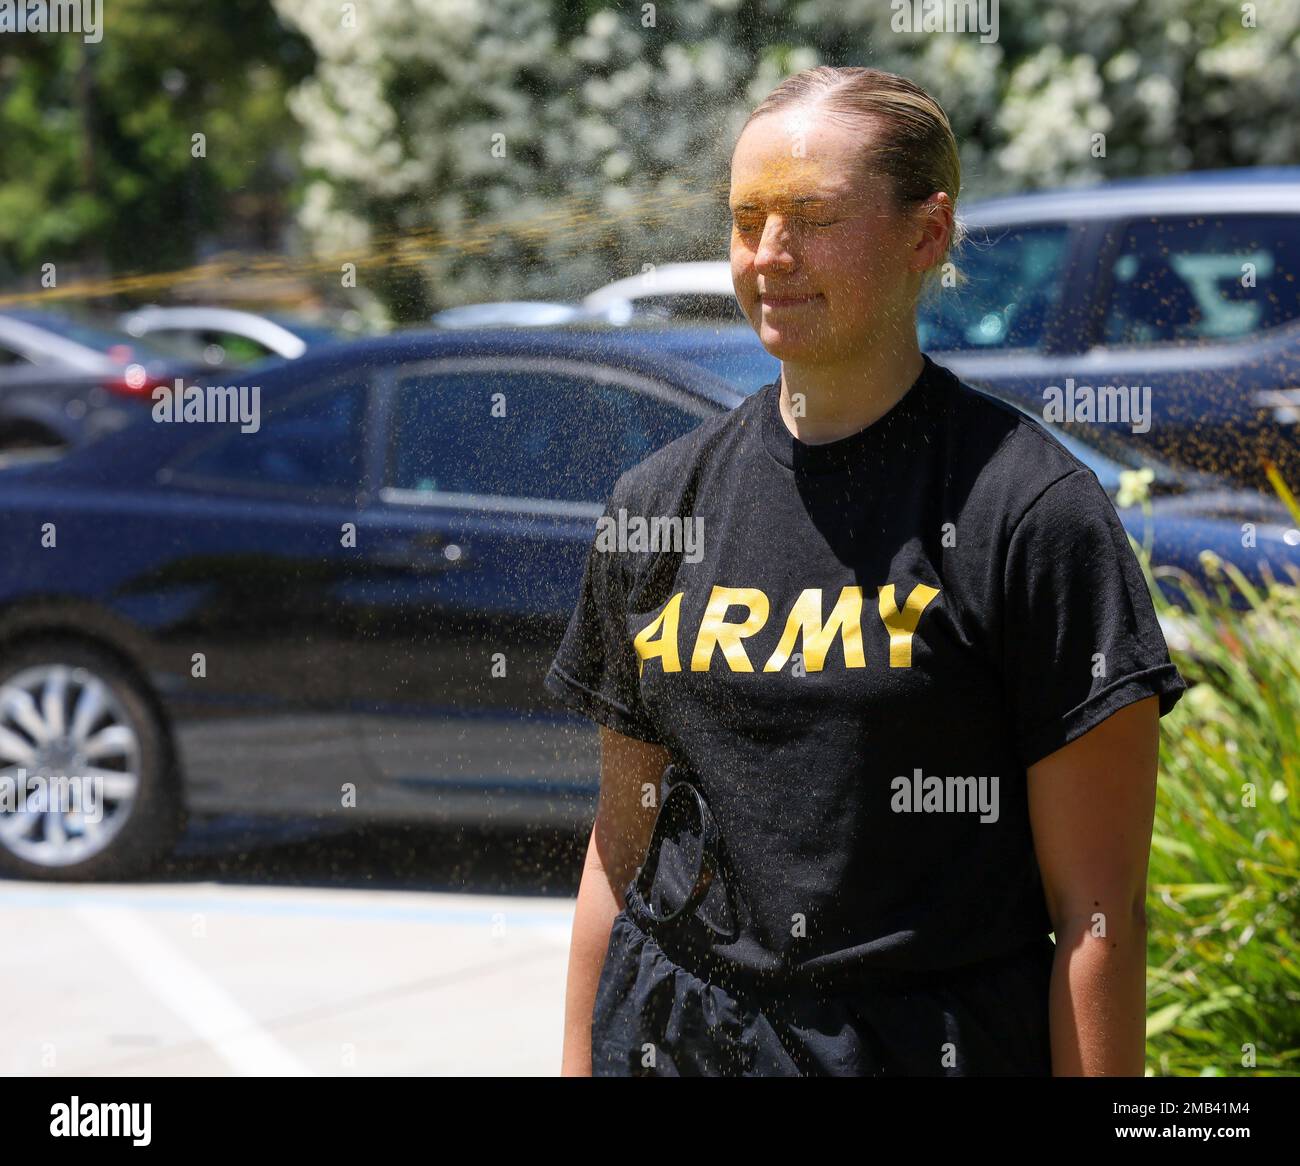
(465, 150)
(467, 144)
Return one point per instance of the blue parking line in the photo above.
(453, 915)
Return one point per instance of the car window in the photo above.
(311, 443)
(1010, 294)
(9, 358)
(234, 348)
(208, 346)
(1212, 277)
(547, 435)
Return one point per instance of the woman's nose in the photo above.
(773, 247)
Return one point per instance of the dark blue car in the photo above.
(341, 602)
(1162, 312)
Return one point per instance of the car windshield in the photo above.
(735, 355)
(746, 371)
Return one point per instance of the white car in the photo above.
(223, 336)
(514, 313)
(698, 290)
(671, 291)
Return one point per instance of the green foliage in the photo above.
(95, 139)
(1223, 909)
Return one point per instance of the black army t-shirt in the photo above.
(859, 647)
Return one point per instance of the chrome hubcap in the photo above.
(69, 765)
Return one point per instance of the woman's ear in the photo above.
(936, 224)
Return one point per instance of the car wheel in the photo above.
(87, 787)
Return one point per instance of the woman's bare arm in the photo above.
(625, 818)
(1092, 806)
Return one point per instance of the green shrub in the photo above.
(1223, 904)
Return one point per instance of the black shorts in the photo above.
(655, 1018)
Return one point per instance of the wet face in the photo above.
(821, 261)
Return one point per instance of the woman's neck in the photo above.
(826, 402)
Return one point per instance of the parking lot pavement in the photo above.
(212, 979)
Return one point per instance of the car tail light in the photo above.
(135, 381)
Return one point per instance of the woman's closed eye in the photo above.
(747, 225)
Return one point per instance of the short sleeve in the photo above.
(595, 668)
(1080, 637)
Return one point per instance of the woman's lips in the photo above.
(787, 301)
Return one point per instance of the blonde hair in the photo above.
(914, 147)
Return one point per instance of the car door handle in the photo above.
(1285, 404)
(424, 552)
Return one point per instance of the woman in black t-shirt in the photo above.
(932, 735)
